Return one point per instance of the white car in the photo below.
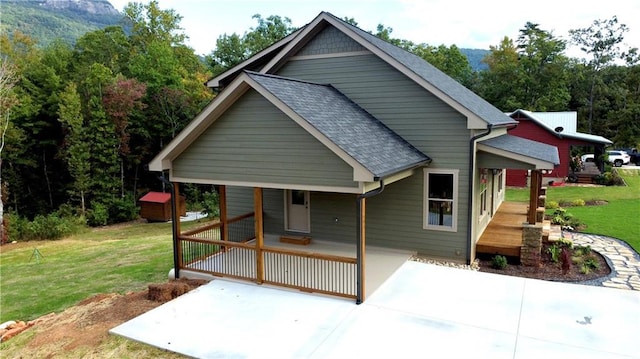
(617, 158)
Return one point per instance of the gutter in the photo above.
(360, 243)
(472, 142)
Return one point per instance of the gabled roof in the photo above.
(540, 154)
(372, 149)
(363, 137)
(479, 112)
(562, 124)
(156, 197)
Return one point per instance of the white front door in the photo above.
(297, 211)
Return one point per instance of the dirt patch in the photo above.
(87, 324)
(550, 270)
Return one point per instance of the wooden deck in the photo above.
(504, 234)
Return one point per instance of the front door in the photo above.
(297, 209)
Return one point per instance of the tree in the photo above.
(544, 70)
(76, 149)
(233, 49)
(7, 102)
(148, 23)
(448, 60)
(120, 99)
(601, 42)
(501, 83)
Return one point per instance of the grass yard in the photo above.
(120, 259)
(620, 218)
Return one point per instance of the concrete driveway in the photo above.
(421, 311)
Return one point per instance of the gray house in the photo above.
(332, 134)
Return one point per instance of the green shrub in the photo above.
(564, 242)
(552, 205)
(565, 220)
(610, 178)
(591, 262)
(211, 204)
(583, 250)
(578, 203)
(16, 227)
(499, 262)
(123, 210)
(98, 215)
(555, 251)
(557, 217)
(49, 227)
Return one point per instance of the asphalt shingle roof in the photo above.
(362, 136)
(525, 147)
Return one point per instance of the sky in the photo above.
(464, 23)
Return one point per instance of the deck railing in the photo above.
(203, 250)
(314, 272)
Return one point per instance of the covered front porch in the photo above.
(238, 248)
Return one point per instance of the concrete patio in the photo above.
(422, 310)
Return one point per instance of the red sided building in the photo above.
(558, 129)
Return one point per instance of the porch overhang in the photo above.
(508, 151)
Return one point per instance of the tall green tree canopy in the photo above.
(233, 49)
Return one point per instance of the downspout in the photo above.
(174, 226)
(359, 244)
(472, 142)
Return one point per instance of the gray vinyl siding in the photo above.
(394, 218)
(239, 200)
(325, 208)
(328, 41)
(489, 160)
(253, 141)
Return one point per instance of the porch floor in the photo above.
(503, 235)
(380, 262)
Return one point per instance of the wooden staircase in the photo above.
(587, 174)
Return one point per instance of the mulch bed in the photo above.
(548, 269)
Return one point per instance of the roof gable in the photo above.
(479, 112)
(372, 149)
(561, 124)
(541, 155)
(356, 132)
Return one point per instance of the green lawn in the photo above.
(620, 218)
(118, 259)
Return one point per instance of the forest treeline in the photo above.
(81, 121)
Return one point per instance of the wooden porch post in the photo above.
(175, 219)
(534, 191)
(224, 231)
(257, 205)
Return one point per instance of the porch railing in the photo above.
(203, 250)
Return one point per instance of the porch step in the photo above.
(546, 230)
(585, 179)
(302, 240)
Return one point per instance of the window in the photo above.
(483, 199)
(441, 199)
(500, 180)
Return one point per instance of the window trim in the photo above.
(454, 200)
